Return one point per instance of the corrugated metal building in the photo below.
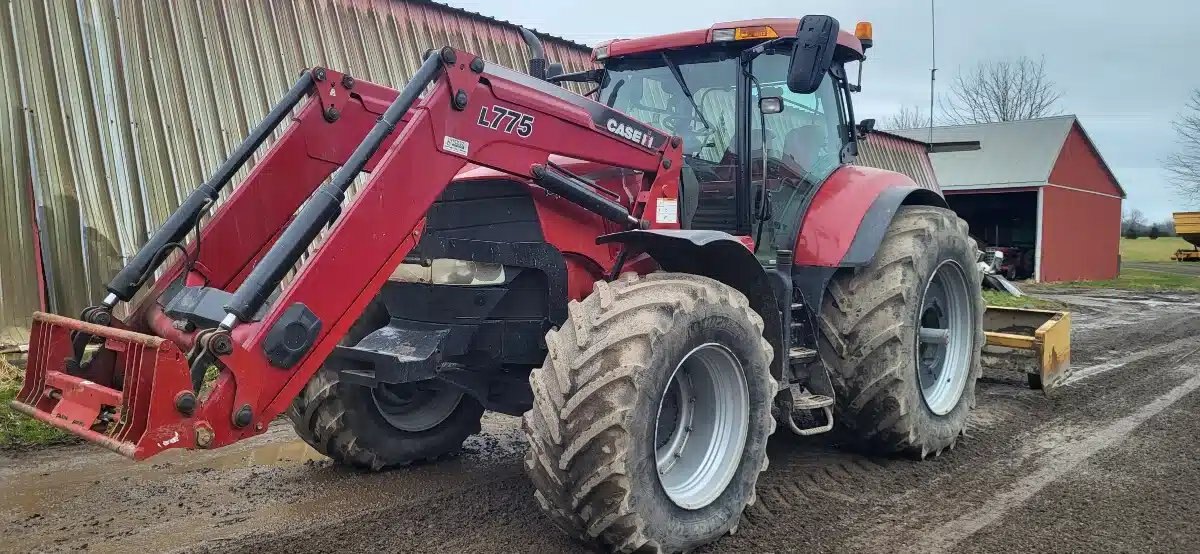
(898, 153)
(116, 109)
(1039, 187)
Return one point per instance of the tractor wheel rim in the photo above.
(416, 407)
(701, 427)
(944, 338)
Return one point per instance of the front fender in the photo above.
(849, 215)
(719, 256)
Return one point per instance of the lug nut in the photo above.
(185, 402)
(347, 82)
(204, 436)
(220, 344)
(319, 74)
(460, 100)
(243, 417)
(101, 317)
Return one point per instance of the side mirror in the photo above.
(554, 70)
(770, 105)
(537, 54)
(812, 55)
(864, 127)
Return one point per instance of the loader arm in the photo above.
(136, 395)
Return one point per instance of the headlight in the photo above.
(445, 271)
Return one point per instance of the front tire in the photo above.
(609, 410)
(902, 337)
(385, 426)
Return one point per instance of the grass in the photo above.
(1140, 280)
(1146, 250)
(18, 431)
(997, 298)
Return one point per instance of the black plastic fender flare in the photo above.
(717, 255)
(879, 216)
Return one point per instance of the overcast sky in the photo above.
(1125, 68)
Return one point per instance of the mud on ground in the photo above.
(1106, 463)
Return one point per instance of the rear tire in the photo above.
(354, 426)
(602, 427)
(869, 337)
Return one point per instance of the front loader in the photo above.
(652, 279)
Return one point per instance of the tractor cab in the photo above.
(725, 92)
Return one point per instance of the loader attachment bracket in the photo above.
(138, 420)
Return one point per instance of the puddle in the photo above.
(270, 455)
(31, 491)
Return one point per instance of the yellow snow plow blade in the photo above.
(1034, 342)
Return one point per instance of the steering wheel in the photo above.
(680, 124)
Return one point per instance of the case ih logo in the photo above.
(626, 128)
(630, 132)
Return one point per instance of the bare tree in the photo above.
(1004, 90)
(909, 117)
(1133, 221)
(1184, 164)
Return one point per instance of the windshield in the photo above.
(645, 88)
(801, 145)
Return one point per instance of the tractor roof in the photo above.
(744, 29)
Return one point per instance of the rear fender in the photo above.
(719, 256)
(850, 213)
(812, 278)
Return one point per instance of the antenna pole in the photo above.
(932, 63)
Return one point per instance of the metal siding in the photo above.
(1079, 166)
(18, 279)
(884, 151)
(124, 106)
(1081, 235)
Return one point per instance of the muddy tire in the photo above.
(603, 425)
(357, 426)
(884, 326)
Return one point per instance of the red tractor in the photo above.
(651, 275)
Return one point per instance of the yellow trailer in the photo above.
(1187, 227)
(1036, 343)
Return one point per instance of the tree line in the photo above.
(1134, 225)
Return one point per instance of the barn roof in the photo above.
(1011, 153)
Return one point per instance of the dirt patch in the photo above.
(273, 494)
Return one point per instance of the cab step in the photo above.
(808, 401)
(801, 355)
(810, 414)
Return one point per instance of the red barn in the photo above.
(1039, 189)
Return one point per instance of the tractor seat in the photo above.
(801, 147)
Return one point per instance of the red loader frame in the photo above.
(137, 395)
